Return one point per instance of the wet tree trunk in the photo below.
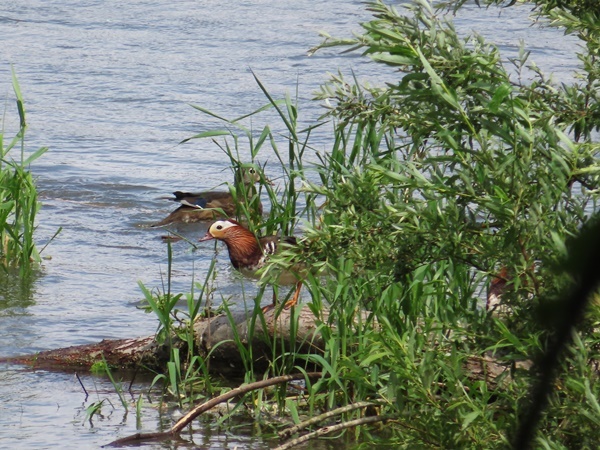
(216, 341)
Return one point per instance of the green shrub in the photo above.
(449, 175)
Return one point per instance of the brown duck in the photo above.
(202, 206)
(249, 253)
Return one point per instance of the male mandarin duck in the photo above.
(249, 253)
(200, 206)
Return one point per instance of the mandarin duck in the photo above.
(249, 253)
(201, 206)
(496, 289)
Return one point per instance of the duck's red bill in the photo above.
(207, 237)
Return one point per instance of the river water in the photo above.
(108, 87)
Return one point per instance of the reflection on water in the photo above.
(30, 417)
(16, 293)
(107, 88)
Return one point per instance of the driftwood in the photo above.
(126, 354)
(216, 341)
(217, 338)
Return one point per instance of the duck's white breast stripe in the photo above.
(270, 248)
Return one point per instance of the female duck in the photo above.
(201, 206)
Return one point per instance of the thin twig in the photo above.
(185, 420)
(334, 412)
(82, 386)
(135, 372)
(326, 430)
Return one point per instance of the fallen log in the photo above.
(123, 354)
(217, 341)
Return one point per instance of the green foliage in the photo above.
(163, 304)
(577, 106)
(117, 385)
(94, 409)
(452, 174)
(288, 203)
(475, 166)
(18, 199)
(436, 182)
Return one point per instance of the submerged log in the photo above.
(125, 354)
(216, 341)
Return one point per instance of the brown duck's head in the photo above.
(244, 249)
(228, 230)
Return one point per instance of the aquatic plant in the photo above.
(18, 197)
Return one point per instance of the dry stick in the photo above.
(334, 412)
(185, 420)
(331, 429)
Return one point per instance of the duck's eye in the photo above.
(219, 227)
(252, 171)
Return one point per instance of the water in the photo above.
(107, 87)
